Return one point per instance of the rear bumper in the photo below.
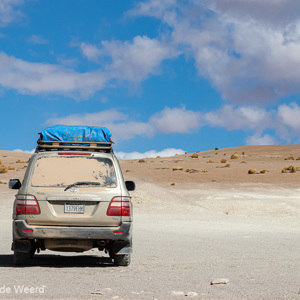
(21, 230)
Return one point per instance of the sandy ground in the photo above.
(189, 229)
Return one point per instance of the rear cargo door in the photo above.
(74, 190)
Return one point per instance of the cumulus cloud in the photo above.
(42, 78)
(9, 11)
(261, 140)
(233, 118)
(247, 49)
(118, 123)
(91, 52)
(150, 154)
(37, 39)
(129, 61)
(25, 151)
(136, 60)
(255, 121)
(289, 115)
(176, 120)
(169, 120)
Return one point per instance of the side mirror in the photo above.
(14, 184)
(130, 185)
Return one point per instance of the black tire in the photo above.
(122, 260)
(21, 258)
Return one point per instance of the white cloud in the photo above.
(37, 39)
(247, 49)
(176, 120)
(169, 120)
(25, 151)
(261, 140)
(40, 78)
(239, 118)
(9, 11)
(289, 115)
(137, 60)
(150, 154)
(91, 52)
(284, 122)
(131, 62)
(117, 122)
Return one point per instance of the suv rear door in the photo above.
(74, 188)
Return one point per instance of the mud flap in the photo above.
(21, 246)
(122, 247)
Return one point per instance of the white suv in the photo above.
(73, 198)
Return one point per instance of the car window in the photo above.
(66, 170)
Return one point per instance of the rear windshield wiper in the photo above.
(81, 183)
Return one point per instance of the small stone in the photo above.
(219, 281)
(177, 293)
(191, 294)
(97, 292)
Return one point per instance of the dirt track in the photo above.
(183, 239)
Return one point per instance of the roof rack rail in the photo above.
(69, 145)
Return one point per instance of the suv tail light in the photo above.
(27, 205)
(119, 206)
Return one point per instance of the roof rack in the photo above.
(79, 146)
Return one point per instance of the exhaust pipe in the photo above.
(101, 243)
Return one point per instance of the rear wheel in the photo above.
(122, 260)
(21, 258)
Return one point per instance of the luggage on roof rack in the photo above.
(62, 137)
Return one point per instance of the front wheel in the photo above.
(122, 260)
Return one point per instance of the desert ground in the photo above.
(198, 218)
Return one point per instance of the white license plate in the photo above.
(71, 208)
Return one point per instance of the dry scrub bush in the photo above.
(203, 170)
(173, 183)
(289, 158)
(263, 171)
(157, 156)
(227, 166)
(192, 171)
(3, 169)
(0, 162)
(19, 161)
(3, 182)
(298, 158)
(177, 168)
(195, 155)
(290, 169)
(210, 161)
(127, 171)
(235, 156)
(251, 171)
(11, 168)
(141, 161)
(223, 161)
(243, 153)
(186, 152)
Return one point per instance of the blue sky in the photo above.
(160, 74)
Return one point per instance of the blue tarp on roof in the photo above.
(76, 134)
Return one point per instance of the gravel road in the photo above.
(184, 238)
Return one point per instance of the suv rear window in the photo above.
(65, 170)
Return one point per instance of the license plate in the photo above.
(71, 208)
